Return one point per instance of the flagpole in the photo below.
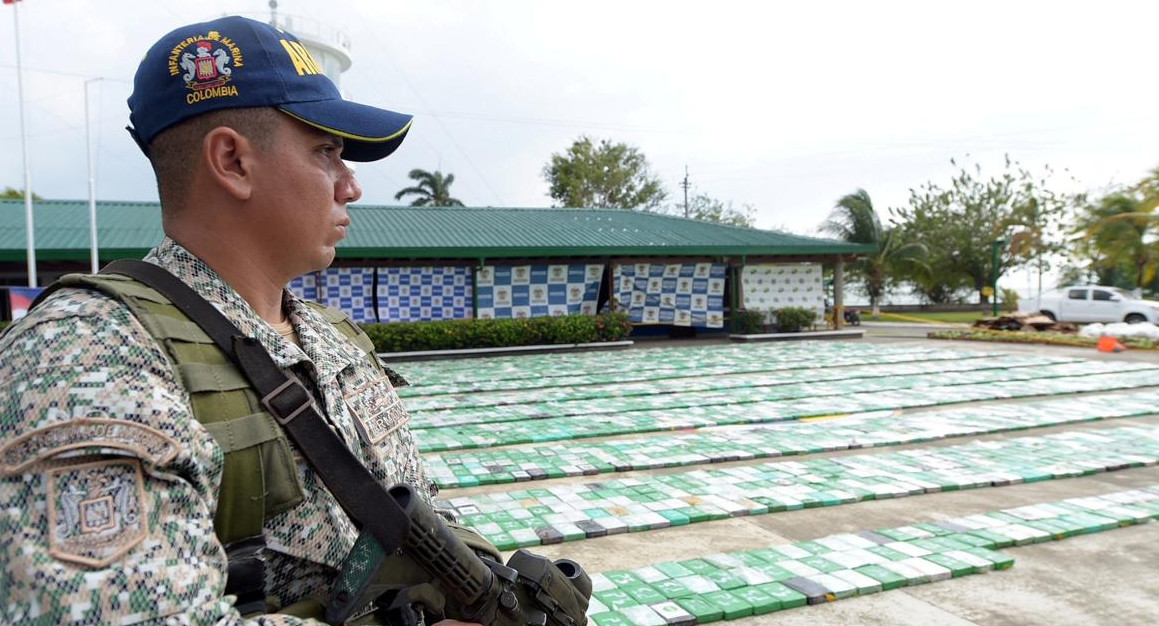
(96, 263)
(28, 224)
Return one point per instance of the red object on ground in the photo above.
(1110, 344)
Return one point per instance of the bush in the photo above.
(749, 322)
(485, 333)
(792, 319)
(1009, 299)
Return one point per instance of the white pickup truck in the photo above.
(1095, 303)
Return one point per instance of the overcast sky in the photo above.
(782, 106)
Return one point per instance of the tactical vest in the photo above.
(260, 477)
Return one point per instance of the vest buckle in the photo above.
(288, 400)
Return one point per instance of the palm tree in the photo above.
(1118, 230)
(433, 189)
(853, 219)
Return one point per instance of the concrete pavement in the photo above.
(1103, 578)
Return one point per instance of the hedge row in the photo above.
(459, 334)
(1047, 338)
(789, 319)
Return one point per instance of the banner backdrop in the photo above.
(768, 287)
(520, 291)
(682, 294)
(414, 294)
(350, 289)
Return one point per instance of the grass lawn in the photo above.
(952, 317)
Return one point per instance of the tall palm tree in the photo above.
(433, 189)
(853, 219)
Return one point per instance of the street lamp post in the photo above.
(95, 255)
(995, 249)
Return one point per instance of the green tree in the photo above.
(854, 219)
(1114, 238)
(705, 208)
(12, 193)
(603, 175)
(959, 224)
(433, 189)
(1117, 237)
(1037, 225)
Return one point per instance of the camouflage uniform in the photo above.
(108, 484)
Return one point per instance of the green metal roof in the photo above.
(130, 229)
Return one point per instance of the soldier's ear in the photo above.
(229, 159)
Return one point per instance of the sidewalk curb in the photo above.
(392, 357)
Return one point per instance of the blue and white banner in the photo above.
(775, 286)
(681, 294)
(414, 294)
(522, 291)
(350, 289)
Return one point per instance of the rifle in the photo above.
(452, 580)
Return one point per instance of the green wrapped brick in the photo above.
(698, 566)
(676, 517)
(611, 618)
(672, 589)
(822, 564)
(671, 569)
(888, 553)
(734, 606)
(643, 594)
(725, 579)
(789, 598)
(761, 602)
(615, 599)
(956, 567)
(704, 611)
(888, 579)
(1000, 561)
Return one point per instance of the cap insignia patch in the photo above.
(206, 64)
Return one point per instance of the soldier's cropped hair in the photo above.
(174, 150)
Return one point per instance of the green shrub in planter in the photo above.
(487, 333)
(792, 319)
(749, 322)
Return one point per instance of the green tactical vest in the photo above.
(260, 477)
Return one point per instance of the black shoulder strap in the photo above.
(364, 499)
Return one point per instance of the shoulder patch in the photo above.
(147, 443)
(96, 511)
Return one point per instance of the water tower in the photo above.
(329, 46)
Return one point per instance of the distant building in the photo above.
(408, 263)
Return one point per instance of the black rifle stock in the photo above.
(453, 581)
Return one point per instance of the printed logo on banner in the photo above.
(485, 277)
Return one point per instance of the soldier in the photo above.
(118, 419)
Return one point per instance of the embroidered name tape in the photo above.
(148, 444)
